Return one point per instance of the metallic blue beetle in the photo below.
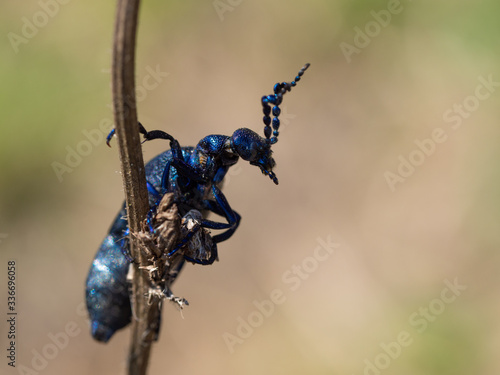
(193, 175)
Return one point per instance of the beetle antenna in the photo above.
(279, 89)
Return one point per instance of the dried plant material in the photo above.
(167, 240)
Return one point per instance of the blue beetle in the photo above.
(193, 176)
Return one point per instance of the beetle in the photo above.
(194, 176)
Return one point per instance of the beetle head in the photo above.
(255, 149)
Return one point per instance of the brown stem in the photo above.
(134, 179)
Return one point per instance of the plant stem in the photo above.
(134, 178)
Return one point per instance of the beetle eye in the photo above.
(247, 144)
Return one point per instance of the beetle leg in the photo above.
(221, 207)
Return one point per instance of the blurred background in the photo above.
(387, 154)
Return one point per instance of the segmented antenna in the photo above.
(280, 89)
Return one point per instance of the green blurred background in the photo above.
(349, 123)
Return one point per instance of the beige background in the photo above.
(347, 123)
